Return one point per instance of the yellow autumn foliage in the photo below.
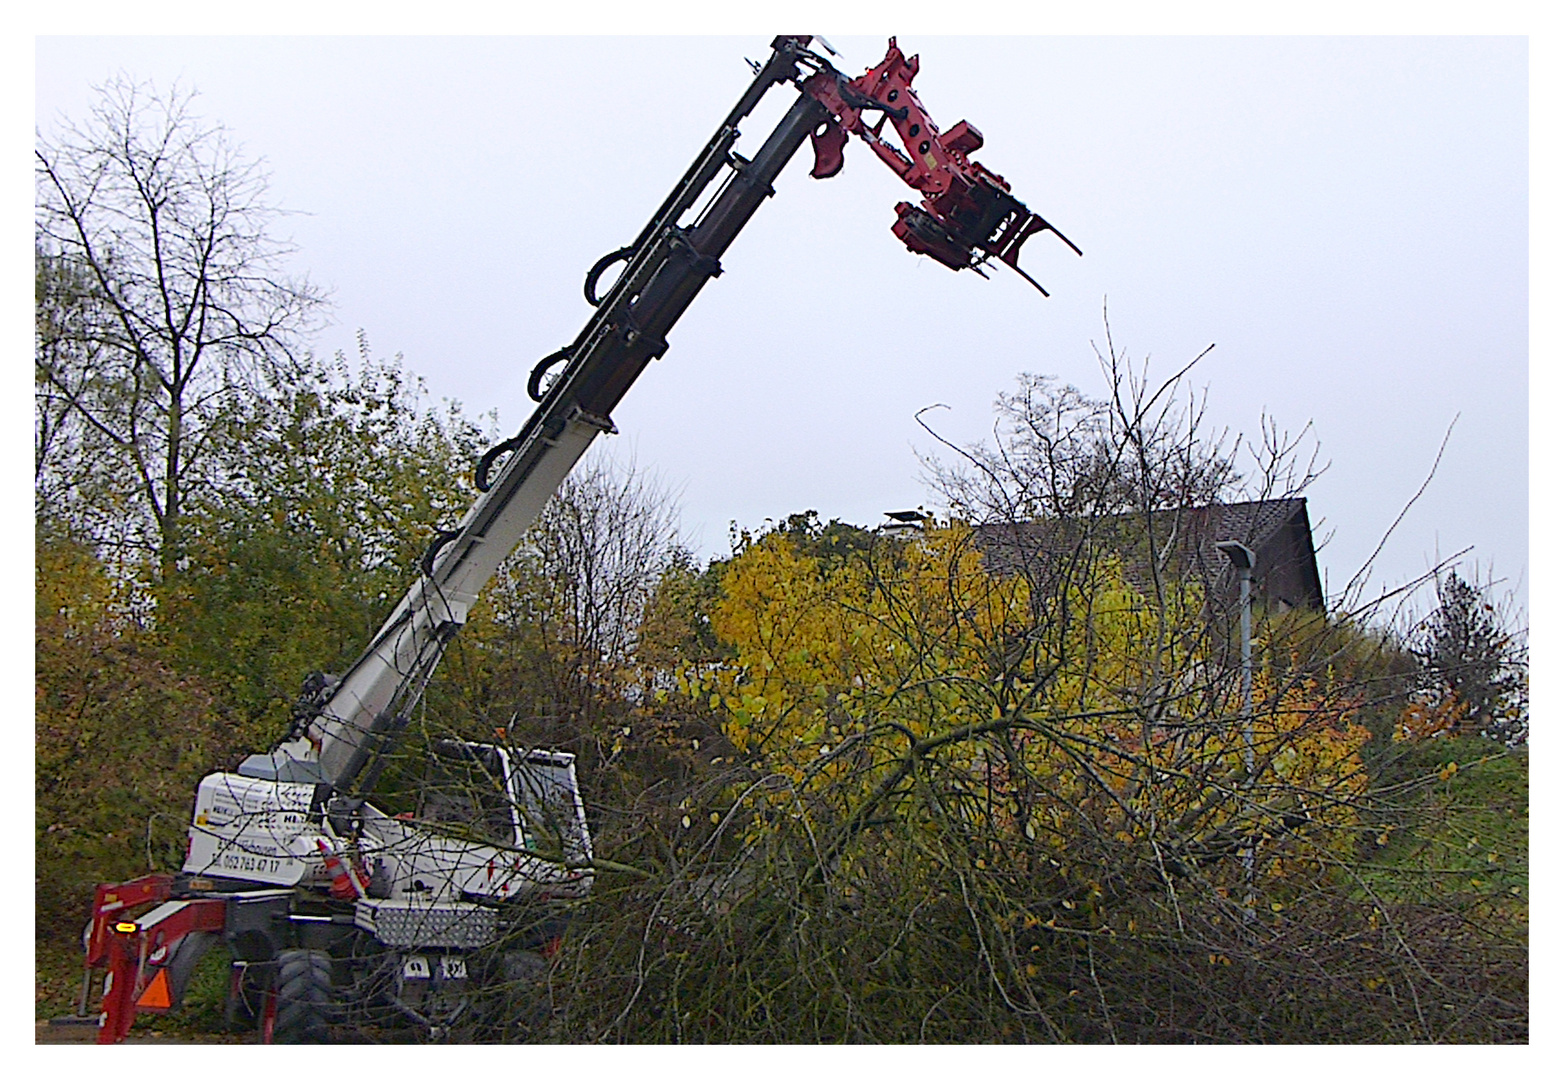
(915, 684)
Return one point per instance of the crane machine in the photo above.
(320, 897)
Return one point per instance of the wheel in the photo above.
(299, 1008)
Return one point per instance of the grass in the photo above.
(1458, 829)
(57, 981)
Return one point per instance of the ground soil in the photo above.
(87, 1034)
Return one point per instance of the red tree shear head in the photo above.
(967, 215)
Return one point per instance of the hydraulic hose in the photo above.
(622, 255)
(535, 380)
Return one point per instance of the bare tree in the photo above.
(66, 363)
(568, 606)
(154, 232)
(1058, 453)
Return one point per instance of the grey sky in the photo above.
(1346, 218)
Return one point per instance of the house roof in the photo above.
(1184, 542)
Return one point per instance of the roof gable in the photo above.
(1180, 545)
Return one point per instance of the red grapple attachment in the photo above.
(967, 215)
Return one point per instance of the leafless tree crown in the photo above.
(168, 292)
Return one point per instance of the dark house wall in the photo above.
(1286, 574)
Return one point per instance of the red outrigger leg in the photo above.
(137, 950)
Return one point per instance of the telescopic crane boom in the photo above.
(967, 216)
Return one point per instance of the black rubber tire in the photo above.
(304, 999)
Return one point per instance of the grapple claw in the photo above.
(967, 215)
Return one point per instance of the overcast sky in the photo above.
(1345, 218)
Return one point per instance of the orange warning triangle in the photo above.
(156, 995)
